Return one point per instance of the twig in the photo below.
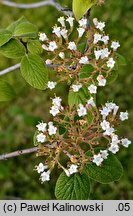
(17, 66)
(18, 153)
(36, 5)
(10, 69)
(88, 27)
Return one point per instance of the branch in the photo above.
(17, 66)
(38, 4)
(18, 153)
(10, 69)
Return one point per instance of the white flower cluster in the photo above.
(61, 31)
(45, 175)
(109, 131)
(56, 106)
(104, 53)
(45, 130)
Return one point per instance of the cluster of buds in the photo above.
(83, 127)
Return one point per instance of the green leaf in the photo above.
(7, 92)
(75, 187)
(75, 98)
(35, 142)
(120, 60)
(80, 7)
(90, 117)
(34, 71)
(13, 25)
(112, 76)
(81, 47)
(111, 170)
(34, 46)
(13, 49)
(5, 36)
(86, 71)
(25, 29)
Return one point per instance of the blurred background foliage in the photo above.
(18, 118)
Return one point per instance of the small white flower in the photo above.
(51, 85)
(100, 25)
(105, 53)
(84, 60)
(62, 55)
(45, 176)
(114, 149)
(95, 21)
(105, 125)
(101, 80)
(123, 116)
(82, 110)
(72, 46)
(91, 102)
(73, 169)
(61, 20)
(98, 54)
(83, 22)
(97, 159)
(50, 123)
(41, 138)
(104, 154)
(110, 63)
(48, 62)
(115, 140)
(115, 45)
(76, 87)
(80, 32)
(97, 38)
(57, 31)
(105, 112)
(64, 33)
(70, 20)
(56, 101)
(54, 110)
(67, 172)
(40, 168)
(115, 110)
(45, 47)
(109, 131)
(92, 89)
(125, 142)
(52, 130)
(43, 37)
(105, 39)
(41, 127)
(110, 106)
(52, 46)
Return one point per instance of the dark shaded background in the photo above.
(18, 118)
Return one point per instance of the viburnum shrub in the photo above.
(80, 139)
